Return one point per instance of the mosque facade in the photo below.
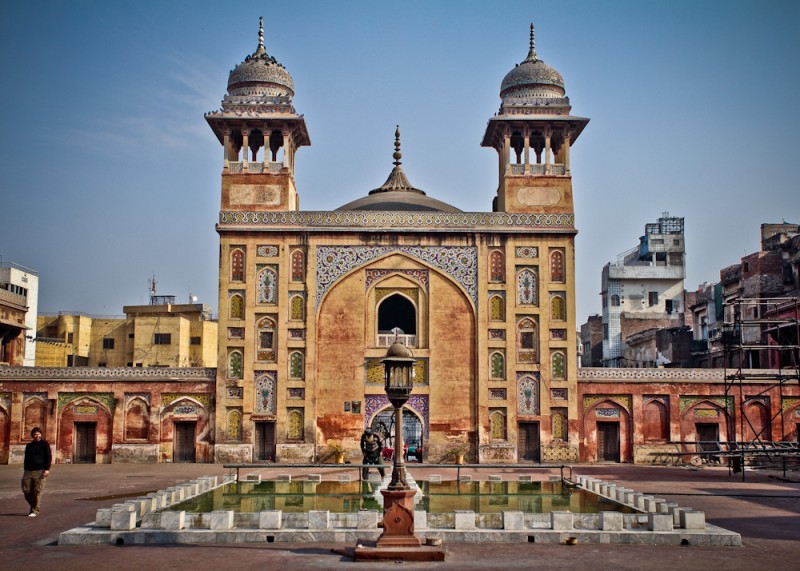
(309, 301)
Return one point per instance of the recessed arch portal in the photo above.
(397, 312)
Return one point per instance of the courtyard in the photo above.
(764, 509)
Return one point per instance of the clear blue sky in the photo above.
(109, 173)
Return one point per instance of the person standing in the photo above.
(372, 449)
(36, 468)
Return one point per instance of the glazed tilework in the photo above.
(417, 403)
(105, 398)
(528, 393)
(460, 263)
(203, 398)
(430, 221)
(265, 384)
(371, 276)
(527, 252)
(263, 251)
(624, 400)
(687, 402)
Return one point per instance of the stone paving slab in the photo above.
(764, 509)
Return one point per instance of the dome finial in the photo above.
(532, 48)
(261, 32)
(397, 154)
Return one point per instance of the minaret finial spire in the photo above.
(261, 32)
(397, 154)
(532, 48)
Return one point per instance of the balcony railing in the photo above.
(386, 339)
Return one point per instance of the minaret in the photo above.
(533, 133)
(260, 133)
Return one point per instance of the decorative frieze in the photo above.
(263, 251)
(107, 373)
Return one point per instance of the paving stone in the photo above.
(315, 478)
(344, 478)
(103, 518)
(495, 478)
(435, 479)
(253, 478)
(284, 477)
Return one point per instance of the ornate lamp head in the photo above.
(399, 371)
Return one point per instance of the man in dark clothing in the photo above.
(36, 469)
(372, 449)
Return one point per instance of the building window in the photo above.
(237, 265)
(70, 337)
(527, 293)
(558, 308)
(296, 365)
(559, 366)
(195, 341)
(497, 269)
(497, 310)
(265, 348)
(296, 308)
(559, 418)
(298, 266)
(670, 306)
(652, 298)
(237, 306)
(557, 266)
(527, 341)
(497, 369)
(108, 343)
(235, 365)
(295, 424)
(497, 423)
(614, 300)
(162, 339)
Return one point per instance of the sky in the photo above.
(109, 174)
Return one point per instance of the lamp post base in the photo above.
(398, 519)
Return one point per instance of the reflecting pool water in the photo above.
(444, 497)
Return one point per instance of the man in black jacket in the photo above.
(36, 469)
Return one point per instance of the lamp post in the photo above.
(398, 498)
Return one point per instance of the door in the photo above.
(608, 442)
(529, 443)
(708, 439)
(265, 441)
(85, 443)
(183, 444)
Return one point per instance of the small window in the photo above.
(108, 343)
(162, 339)
(195, 341)
(669, 306)
(70, 338)
(652, 298)
(130, 335)
(496, 267)
(614, 300)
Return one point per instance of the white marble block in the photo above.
(659, 522)
(222, 519)
(513, 520)
(318, 519)
(171, 520)
(561, 521)
(270, 519)
(367, 519)
(465, 519)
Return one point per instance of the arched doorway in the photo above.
(383, 423)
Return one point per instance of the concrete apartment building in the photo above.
(644, 289)
(19, 288)
(162, 334)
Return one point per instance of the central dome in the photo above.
(260, 74)
(397, 193)
(532, 79)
